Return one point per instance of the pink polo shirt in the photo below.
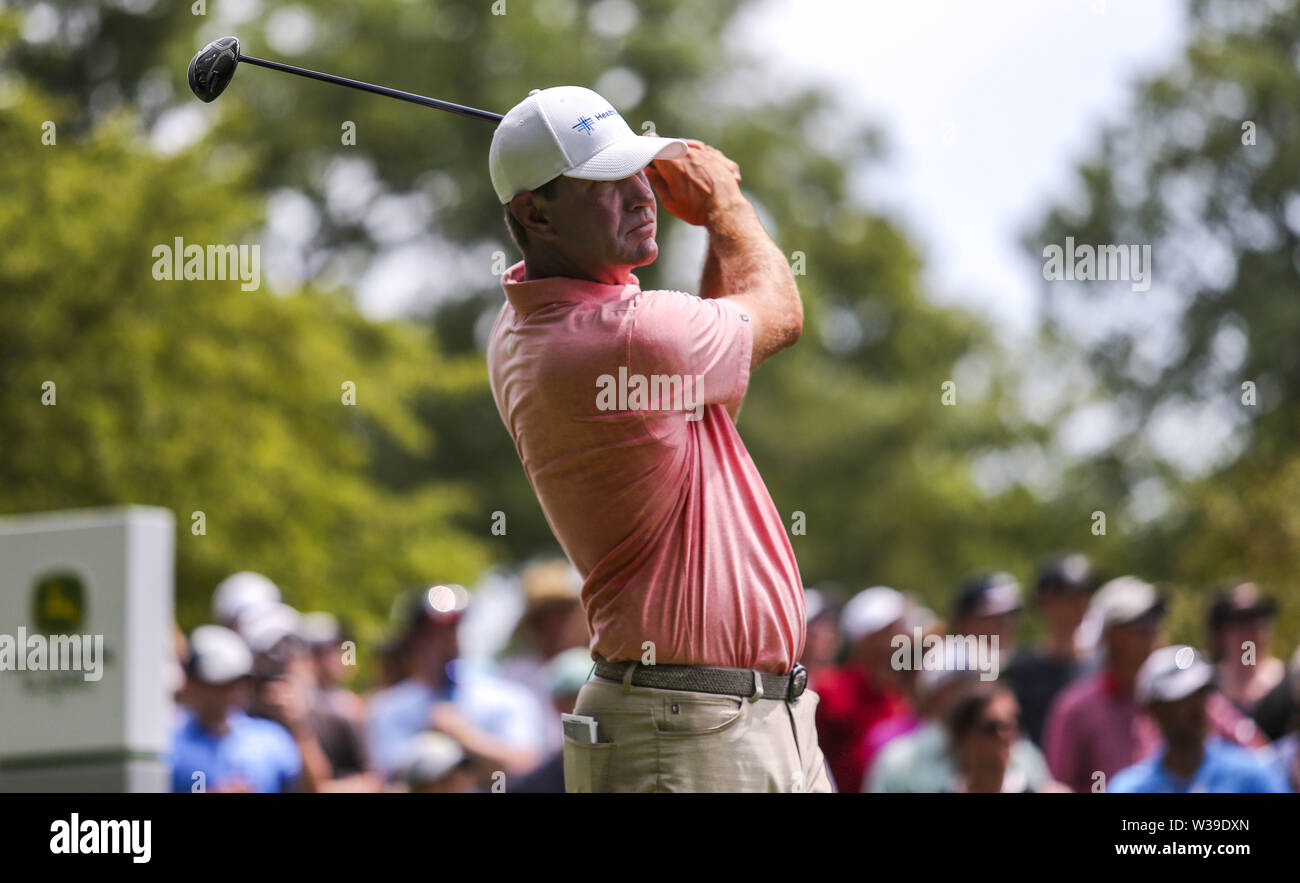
(665, 516)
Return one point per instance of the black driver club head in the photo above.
(213, 68)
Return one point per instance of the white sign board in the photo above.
(104, 579)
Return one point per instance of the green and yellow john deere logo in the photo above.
(58, 604)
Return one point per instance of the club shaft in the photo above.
(435, 103)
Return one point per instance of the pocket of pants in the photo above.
(701, 745)
(697, 715)
(587, 766)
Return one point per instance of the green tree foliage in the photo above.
(203, 397)
(849, 427)
(1205, 170)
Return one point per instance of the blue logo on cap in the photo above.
(584, 125)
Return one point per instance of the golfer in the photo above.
(622, 403)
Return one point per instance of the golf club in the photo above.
(212, 69)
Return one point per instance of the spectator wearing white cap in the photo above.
(265, 625)
(1096, 727)
(865, 690)
(1174, 684)
(286, 691)
(216, 746)
(881, 733)
(239, 593)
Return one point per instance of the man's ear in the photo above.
(532, 212)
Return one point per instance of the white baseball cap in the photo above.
(1124, 600)
(218, 655)
(571, 131)
(1172, 673)
(871, 610)
(320, 628)
(241, 591)
(428, 757)
(264, 627)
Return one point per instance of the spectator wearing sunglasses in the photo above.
(983, 727)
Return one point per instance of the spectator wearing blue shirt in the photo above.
(215, 745)
(1173, 684)
(497, 722)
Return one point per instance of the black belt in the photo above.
(743, 682)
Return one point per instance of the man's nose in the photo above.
(638, 191)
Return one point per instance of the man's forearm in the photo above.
(741, 256)
(712, 283)
(742, 260)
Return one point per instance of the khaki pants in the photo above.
(672, 740)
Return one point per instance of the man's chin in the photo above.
(645, 253)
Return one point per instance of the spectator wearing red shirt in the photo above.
(865, 690)
(883, 732)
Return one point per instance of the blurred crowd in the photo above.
(266, 703)
(1098, 703)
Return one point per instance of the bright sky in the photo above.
(987, 108)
